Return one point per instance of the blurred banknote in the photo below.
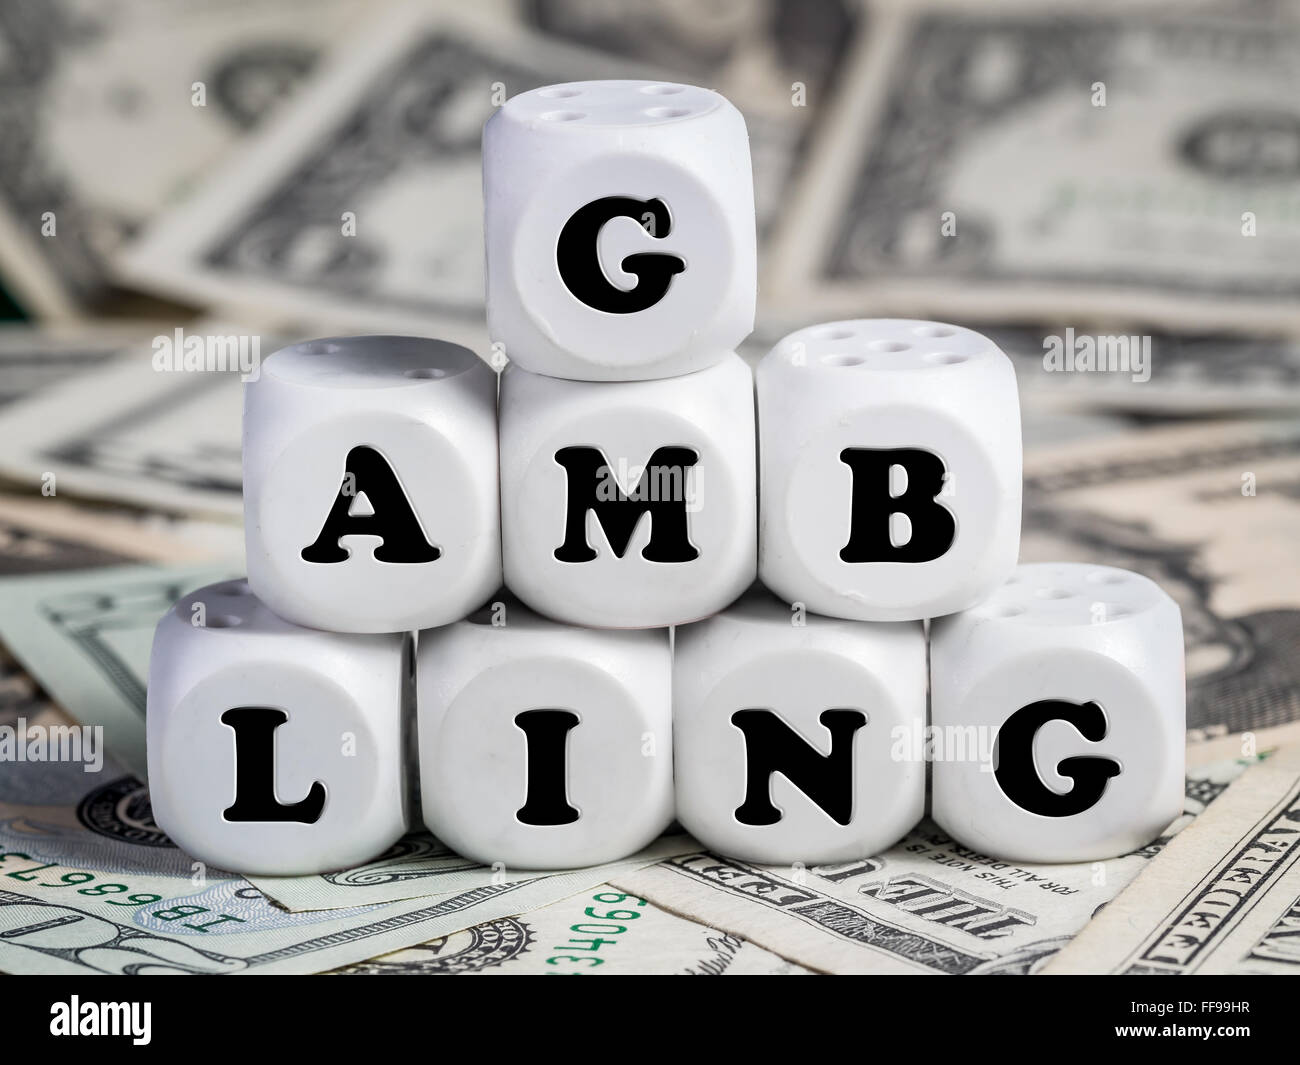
(1063, 368)
(927, 905)
(1224, 897)
(112, 108)
(1152, 155)
(158, 425)
(43, 534)
(1211, 512)
(34, 358)
(85, 636)
(89, 885)
(630, 936)
(361, 202)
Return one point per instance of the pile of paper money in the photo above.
(1109, 193)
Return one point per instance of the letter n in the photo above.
(772, 746)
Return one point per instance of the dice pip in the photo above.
(544, 746)
(619, 219)
(788, 729)
(1075, 675)
(370, 483)
(273, 749)
(629, 504)
(891, 466)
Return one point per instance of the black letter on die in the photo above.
(1013, 759)
(578, 259)
(254, 728)
(392, 519)
(546, 735)
(592, 486)
(933, 526)
(772, 746)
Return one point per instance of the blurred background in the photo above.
(1110, 191)
(1112, 194)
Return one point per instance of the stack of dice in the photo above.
(621, 480)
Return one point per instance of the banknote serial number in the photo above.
(581, 953)
(82, 882)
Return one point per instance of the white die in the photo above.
(370, 483)
(619, 219)
(629, 504)
(865, 424)
(823, 765)
(273, 749)
(1072, 678)
(544, 746)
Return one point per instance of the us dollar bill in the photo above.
(1211, 512)
(85, 637)
(35, 358)
(44, 534)
(599, 932)
(361, 202)
(112, 109)
(419, 865)
(926, 905)
(1153, 170)
(1224, 897)
(89, 885)
(144, 427)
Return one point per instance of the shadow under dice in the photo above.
(544, 746)
(370, 483)
(628, 504)
(273, 749)
(788, 733)
(619, 222)
(891, 468)
(1070, 680)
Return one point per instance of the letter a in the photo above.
(391, 517)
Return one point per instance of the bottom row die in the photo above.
(543, 745)
(274, 749)
(777, 737)
(1069, 683)
(785, 725)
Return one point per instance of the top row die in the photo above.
(619, 220)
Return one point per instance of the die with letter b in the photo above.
(1073, 676)
(890, 467)
(274, 749)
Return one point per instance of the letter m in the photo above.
(620, 512)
